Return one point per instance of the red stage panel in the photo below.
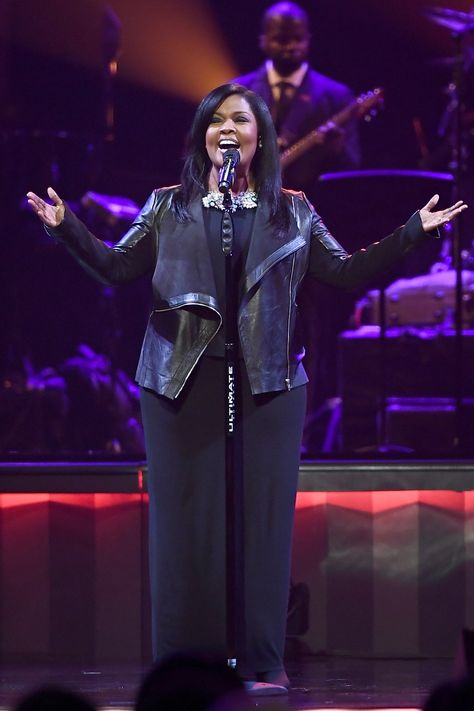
(388, 571)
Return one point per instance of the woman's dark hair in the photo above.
(266, 169)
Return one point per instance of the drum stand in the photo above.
(383, 445)
(457, 167)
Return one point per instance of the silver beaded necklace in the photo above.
(247, 199)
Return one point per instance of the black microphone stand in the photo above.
(233, 485)
(235, 600)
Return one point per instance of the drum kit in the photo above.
(447, 289)
(438, 293)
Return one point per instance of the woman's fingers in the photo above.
(54, 197)
(455, 209)
(451, 212)
(34, 200)
(37, 203)
(432, 202)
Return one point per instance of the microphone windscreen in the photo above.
(232, 154)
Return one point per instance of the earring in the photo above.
(260, 144)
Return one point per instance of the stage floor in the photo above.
(316, 682)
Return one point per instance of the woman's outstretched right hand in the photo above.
(50, 215)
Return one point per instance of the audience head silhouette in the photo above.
(54, 698)
(184, 682)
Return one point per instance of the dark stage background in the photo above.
(69, 121)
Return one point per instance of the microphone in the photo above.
(227, 172)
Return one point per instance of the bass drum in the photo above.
(426, 300)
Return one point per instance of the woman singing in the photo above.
(279, 240)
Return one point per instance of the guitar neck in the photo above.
(316, 137)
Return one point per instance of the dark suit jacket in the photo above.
(317, 100)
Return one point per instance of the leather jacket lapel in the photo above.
(194, 269)
(266, 249)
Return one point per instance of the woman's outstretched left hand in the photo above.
(432, 220)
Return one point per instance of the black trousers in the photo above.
(186, 483)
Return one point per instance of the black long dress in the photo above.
(186, 483)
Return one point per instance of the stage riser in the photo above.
(388, 573)
(73, 577)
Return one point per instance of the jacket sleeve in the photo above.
(133, 256)
(331, 264)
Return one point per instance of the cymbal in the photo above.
(455, 20)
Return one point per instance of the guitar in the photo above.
(362, 106)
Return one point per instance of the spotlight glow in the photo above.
(174, 46)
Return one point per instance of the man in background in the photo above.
(301, 100)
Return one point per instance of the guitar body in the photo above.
(363, 106)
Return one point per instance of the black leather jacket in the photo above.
(186, 315)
